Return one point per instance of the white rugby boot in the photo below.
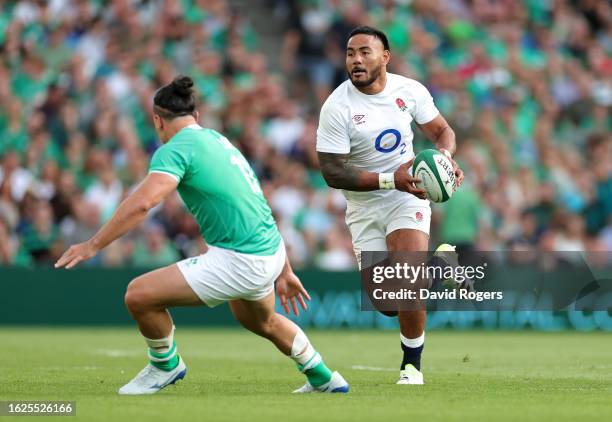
(337, 384)
(151, 379)
(411, 376)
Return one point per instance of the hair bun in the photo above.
(182, 86)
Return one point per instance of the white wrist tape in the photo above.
(386, 180)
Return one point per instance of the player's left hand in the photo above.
(457, 170)
(290, 290)
(75, 254)
(458, 174)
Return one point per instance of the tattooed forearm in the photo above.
(341, 175)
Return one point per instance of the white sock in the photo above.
(303, 353)
(161, 345)
(413, 342)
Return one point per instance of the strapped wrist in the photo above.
(386, 181)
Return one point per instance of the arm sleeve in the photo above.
(332, 133)
(425, 110)
(170, 161)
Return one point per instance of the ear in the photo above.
(196, 115)
(386, 57)
(158, 122)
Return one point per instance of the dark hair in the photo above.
(368, 30)
(175, 99)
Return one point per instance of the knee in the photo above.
(137, 299)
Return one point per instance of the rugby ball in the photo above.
(436, 173)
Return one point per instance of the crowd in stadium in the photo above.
(526, 85)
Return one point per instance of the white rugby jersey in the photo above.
(374, 129)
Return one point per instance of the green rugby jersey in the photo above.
(220, 189)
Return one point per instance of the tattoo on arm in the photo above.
(341, 175)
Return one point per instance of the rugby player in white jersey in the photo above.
(364, 144)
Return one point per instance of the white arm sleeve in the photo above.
(425, 110)
(332, 133)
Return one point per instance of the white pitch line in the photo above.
(120, 353)
(117, 353)
(373, 368)
(63, 368)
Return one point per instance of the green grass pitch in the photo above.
(236, 376)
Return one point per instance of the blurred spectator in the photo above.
(155, 250)
(525, 84)
(11, 252)
(105, 192)
(285, 129)
(527, 238)
(41, 236)
(14, 179)
(460, 225)
(338, 252)
(82, 223)
(306, 45)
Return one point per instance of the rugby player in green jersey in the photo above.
(245, 259)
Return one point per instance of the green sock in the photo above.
(168, 365)
(318, 374)
(165, 361)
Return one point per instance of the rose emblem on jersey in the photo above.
(401, 104)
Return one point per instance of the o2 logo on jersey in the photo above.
(389, 148)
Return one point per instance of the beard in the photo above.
(374, 75)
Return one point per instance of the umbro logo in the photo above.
(358, 118)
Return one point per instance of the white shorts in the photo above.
(370, 225)
(221, 275)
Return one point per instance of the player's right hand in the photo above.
(288, 289)
(75, 254)
(407, 183)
